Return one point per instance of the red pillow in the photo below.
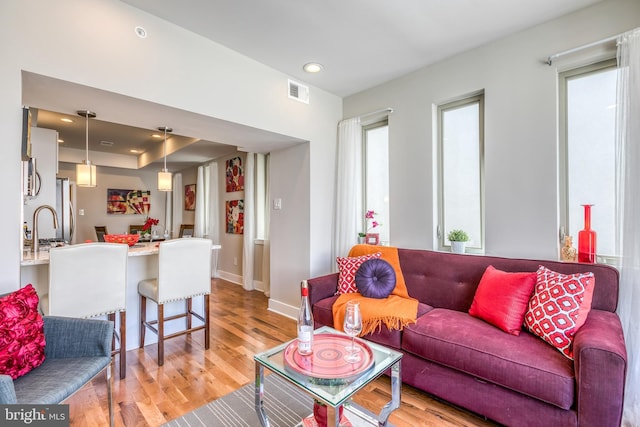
(347, 268)
(21, 333)
(559, 307)
(502, 297)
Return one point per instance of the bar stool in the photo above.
(186, 230)
(184, 271)
(89, 280)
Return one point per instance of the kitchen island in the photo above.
(141, 264)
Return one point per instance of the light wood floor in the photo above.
(240, 327)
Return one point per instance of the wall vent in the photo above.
(298, 91)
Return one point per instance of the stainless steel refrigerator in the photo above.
(65, 211)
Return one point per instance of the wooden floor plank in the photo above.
(241, 326)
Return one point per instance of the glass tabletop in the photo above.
(333, 392)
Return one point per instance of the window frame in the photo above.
(441, 234)
(563, 150)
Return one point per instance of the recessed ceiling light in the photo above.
(155, 135)
(140, 32)
(312, 67)
(66, 120)
(60, 141)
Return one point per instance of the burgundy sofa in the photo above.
(513, 380)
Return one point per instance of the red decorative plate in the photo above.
(327, 362)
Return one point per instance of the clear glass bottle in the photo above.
(305, 322)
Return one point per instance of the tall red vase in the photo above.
(587, 239)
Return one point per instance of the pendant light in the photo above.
(85, 171)
(164, 176)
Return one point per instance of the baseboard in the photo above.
(278, 307)
(230, 277)
(258, 285)
(283, 309)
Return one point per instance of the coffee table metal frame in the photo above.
(332, 395)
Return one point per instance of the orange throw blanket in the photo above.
(395, 312)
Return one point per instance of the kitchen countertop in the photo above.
(139, 249)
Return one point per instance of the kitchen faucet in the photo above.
(35, 246)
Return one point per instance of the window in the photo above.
(376, 176)
(460, 170)
(587, 153)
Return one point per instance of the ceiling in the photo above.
(129, 123)
(360, 43)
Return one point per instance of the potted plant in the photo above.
(458, 239)
(366, 237)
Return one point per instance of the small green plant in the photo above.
(458, 236)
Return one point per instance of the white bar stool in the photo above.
(184, 271)
(89, 280)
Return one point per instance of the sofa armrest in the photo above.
(7, 391)
(322, 287)
(69, 337)
(600, 362)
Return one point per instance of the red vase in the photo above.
(587, 239)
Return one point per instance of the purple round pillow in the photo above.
(375, 278)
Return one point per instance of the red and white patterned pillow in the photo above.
(559, 307)
(347, 267)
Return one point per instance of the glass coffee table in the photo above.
(331, 390)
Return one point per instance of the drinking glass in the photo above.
(352, 327)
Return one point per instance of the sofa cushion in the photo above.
(521, 363)
(559, 307)
(347, 267)
(502, 298)
(375, 279)
(22, 341)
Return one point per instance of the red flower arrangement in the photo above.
(150, 222)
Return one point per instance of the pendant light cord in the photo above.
(87, 137)
(165, 149)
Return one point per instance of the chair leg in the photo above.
(110, 395)
(160, 334)
(143, 319)
(112, 319)
(123, 344)
(189, 310)
(207, 325)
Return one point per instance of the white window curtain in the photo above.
(249, 221)
(349, 213)
(213, 230)
(266, 248)
(628, 179)
(178, 201)
(202, 208)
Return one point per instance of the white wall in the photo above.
(93, 44)
(295, 238)
(520, 131)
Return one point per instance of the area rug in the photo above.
(284, 403)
